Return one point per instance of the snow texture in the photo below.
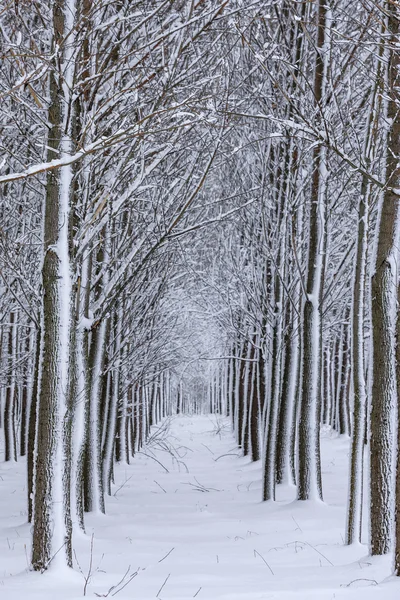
(201, 530)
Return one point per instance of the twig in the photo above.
(205, 446)
(120, 582)
(89, 573)
(43, 569)
(166, 579)
(160, 486)
(180, 462)
(197, 592)
(320, 553)
(222, 456)
(199, 487)
(88, 576)
(125, 584)
(298, 526)
(203, 486)
(373, 581)
(164, 557)
(149, 456)
(313, 548)
(113, 587)
(185, 448)
(263, 559)
(121, 486)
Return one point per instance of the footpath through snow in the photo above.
(186, 521)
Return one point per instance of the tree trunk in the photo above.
(309, 467)
(10, 440)
(32, 425)
(384, 286)
(354, 510)
(51, 511)
(94, 492)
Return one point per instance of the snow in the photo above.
(200, 528)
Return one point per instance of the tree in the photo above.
(384, 298)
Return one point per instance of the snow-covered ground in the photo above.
(186, 517)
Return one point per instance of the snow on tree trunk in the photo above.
(354, 509)
(271, 424)
(286, 417)
(384, 308)
(32, 426)
(309, 468)
(10, 441)
(111, 416)
(94, 493)
(254, 407)
(51, 509)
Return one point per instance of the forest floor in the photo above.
(185, 521)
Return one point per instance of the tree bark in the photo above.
(51, 509)
(309, 467)
(384, 297)
(354, 511)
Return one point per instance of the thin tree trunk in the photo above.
(309, 467)
(9, 406)
(94, 493)
(354, 510)
(32, 425)
(286, 416)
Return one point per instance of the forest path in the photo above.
(186, 516)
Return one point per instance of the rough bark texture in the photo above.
(309, 469)
(384, 285)
(254, 406)
(271, 425)
(343, 392)
(93, 488)
(32, 426)
(25, 394)
(10, 445)
(47, 416)
(354, 513)
(247, 390)
(241, 366)
(397, 489)
(286, 410)
(49, 441)
(383, 298)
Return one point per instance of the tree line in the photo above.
(199, 208)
